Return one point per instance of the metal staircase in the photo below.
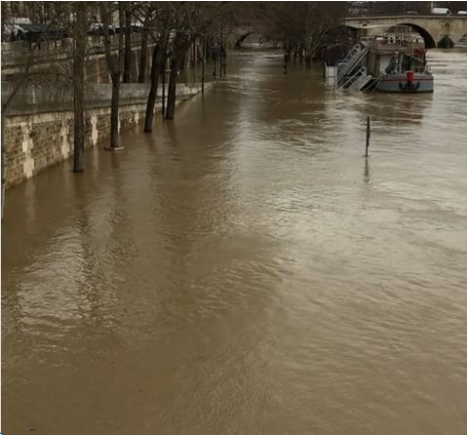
(350, 62)
(361, 81)
(357, 80)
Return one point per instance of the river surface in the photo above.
(246, 271)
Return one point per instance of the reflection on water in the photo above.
(246, 270)
(366, 173)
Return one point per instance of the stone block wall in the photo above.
(33, 142)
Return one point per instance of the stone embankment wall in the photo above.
(37, 140)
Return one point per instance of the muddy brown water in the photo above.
(246, 271)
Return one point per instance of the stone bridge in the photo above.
(436, 30)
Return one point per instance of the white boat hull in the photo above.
(421, 82)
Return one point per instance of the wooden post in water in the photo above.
(368, 134)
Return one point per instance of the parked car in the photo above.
(98, 29)
(441, 11)
(97, 49)
(135, 27)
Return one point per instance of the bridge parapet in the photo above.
(435, 29)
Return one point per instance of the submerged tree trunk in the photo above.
(181, 46)
(172, 92)
(114, 105)
(224, 58)
(115, 69)
(163, 68)
(3, 163)
(127, 61)
(214, 59)
(203, 63)
(149, 118)
(143, 57)
(78, 88)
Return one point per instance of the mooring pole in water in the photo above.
(368, 134)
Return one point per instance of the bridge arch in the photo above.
(241, 39)
(430, 41)
(436, 30)
(425, 34)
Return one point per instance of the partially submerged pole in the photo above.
(368, 134)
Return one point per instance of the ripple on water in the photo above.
(245, 270)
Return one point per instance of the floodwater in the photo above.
(246, 271)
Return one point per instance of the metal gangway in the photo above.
(350, 62)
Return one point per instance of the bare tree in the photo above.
(181, 44)
(78, 84)
(143, 56)
(127, 33)
(302, 25)
(192, 20)
(115, 67)
(158, 24)
(27, 73)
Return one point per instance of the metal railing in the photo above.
(347, 66)
(54, 98)
(18, 53)
(350, 80)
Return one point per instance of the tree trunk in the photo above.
(114, 112)
(172, 92)
(182, 61)
(149, 118)
(203, 64)
(127, 60)
(220, 61)
(143, 57)
(115, 70)
(221, 56)
(214, 71)
(78, 88)
(163, 68)
(3, 164)
(224, 59)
